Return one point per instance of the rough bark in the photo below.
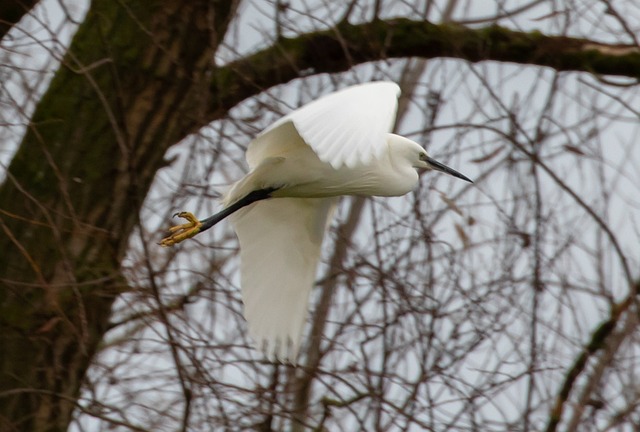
(74, 189)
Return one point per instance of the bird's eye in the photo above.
(423, 155)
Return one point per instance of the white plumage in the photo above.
(327, 124)
(336, 145)
(280, 245)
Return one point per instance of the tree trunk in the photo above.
(74, 189)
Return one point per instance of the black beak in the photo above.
(435, 165)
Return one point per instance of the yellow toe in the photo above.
(182, 232)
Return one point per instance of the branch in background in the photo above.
(598, 341)
(340, 48)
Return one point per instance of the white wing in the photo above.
(273, 143)
(347, 127)
(280, 245)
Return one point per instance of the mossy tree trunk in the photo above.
(75, 187)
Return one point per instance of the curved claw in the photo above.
(182, 232)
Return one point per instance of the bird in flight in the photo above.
(337, 145)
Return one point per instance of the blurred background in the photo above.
(504, 305)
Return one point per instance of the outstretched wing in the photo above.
(280, 245)
(348, 127)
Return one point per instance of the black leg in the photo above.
(193, 227)
(256, 195)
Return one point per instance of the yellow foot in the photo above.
(182, 232)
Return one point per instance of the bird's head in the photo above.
(418, 157)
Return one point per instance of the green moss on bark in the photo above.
(75, 188)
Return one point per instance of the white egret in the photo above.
(336, 145)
